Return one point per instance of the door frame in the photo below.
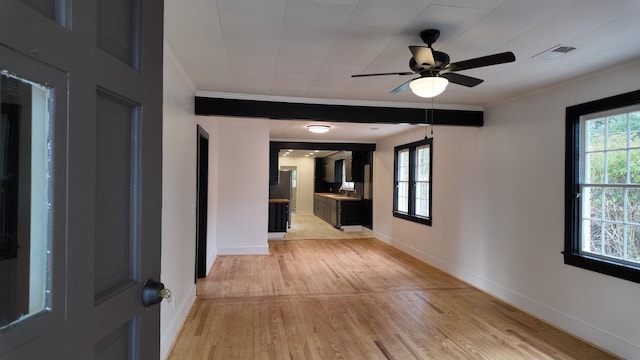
(202, 195)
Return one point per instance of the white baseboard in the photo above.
(351, 228)
(555, 317)
(169, 335)
(276, 235)
(244, 250)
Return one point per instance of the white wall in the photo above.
(498, 213)
(241, 152)
(178, 198)
(305, 172)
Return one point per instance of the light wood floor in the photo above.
(356, 299)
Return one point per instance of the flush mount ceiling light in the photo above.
(319, 129)
(428, 87)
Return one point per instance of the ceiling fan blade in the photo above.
(488, 60)
(464, 80)
(382, 74)
(423, 55)
(402, 87)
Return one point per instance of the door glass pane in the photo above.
(24, 199)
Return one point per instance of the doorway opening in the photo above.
(294, 186)
(202, 189)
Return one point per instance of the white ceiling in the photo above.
(309, 48)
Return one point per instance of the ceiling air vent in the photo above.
(554, 52)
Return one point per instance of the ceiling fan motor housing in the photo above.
(441, 60)
(429, 36)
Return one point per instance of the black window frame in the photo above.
(573, 236)
(410, 215)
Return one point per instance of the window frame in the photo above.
(411, 212)
(573, 255)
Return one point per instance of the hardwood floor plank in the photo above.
(356, 299)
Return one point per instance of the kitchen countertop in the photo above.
(339, 197)
(275, 201)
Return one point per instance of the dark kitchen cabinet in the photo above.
(337, 171)
(353, 167)
(326, 209)
(330, 171)
(337, 212)
(273, 165)
(278, 216)
(350, 213)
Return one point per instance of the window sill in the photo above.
(604, 266)
(413, 218)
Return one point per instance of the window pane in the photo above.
(422, 199)
(613, 239)
(595, 134)
(634, 121)
(592, 236)
(634, 129)
(617, 167)
(633, 243)
(422, 167)
(403, 165)
(617, 131)
(633, 206)
(634, 139)
(592, 203)
(634, 166)
(403, 196)
(614, 204)
(595, 168)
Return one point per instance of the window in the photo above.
(346, 185)
(412, 187)
(603, 186)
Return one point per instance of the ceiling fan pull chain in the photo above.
(433, 115)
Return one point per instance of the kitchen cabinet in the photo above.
(329, 171)
(353, 167)
(326, 209)
(273, 165)
(278, 215)
(338, 210)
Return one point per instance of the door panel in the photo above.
(55, 10)
(115, 243)
(118, 29)
(105, 180)
(116, 345)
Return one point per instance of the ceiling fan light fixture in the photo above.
(428, 87)
(318, 129)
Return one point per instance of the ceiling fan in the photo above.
(436, 71)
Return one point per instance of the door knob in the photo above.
(153, 292)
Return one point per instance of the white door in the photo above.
(80, 177)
